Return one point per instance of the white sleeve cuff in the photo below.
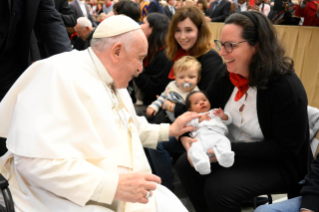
(164, 132)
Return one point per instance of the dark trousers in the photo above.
(160, 160)
(3, 146)
(224, 189)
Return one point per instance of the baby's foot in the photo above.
(203, 167)
(226, 159)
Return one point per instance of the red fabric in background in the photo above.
(180, 53)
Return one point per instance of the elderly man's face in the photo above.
(131, 63)
(82, 32)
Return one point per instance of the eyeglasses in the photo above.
(228, 46)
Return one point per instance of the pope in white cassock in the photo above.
(74, 140)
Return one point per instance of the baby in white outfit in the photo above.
(210, 134)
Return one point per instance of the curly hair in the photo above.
(270, 62)
(203, 43)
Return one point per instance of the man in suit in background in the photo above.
(155, 6)
(19, 19)
(67, 15)
(218, 11)
(80, 9)
(170, 9)
(69, 20)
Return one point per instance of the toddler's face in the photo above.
(199, 103)
(187, 80)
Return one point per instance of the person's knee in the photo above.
(264, 208)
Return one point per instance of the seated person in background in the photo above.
(219, 10)
(202, 5)
(210, 134)
(286, 16)
(187, 74)
(128, 8)
(260, 6)
(310, 11)
(84, 30)
(240, 7)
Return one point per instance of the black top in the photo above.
(283, 118)
(16, 24)
(310, 190)
(221, 12)
(154, 78)
(67, 15)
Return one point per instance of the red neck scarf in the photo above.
(146, 59)
(180, 53)
(109, 4)
(241, 83)
(73, 35)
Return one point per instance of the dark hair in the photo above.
(156, 40)
(128, 8)
(270, 62)
(203, 42)
(204, 3)
(188, 102)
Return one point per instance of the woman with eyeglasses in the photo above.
(269, 133)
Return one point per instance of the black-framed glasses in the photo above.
(227, 45)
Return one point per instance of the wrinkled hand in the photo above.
(204, 117)
(213, 158)
(178, 127)
(150, 111)
(133, 187)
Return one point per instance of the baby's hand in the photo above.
(204, 117)
(150, 111)
(220, 113)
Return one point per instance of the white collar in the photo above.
(100, 69)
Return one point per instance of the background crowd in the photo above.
(275, 155)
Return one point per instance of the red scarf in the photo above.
(180, 53)
(146, 59)
(73, 35)
(109, 4)
(241, 83)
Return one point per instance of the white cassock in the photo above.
(69, 136)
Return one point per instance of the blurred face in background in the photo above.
(200, 6)
(145, 26)
(179, 4)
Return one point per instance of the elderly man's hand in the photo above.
(178, 127)
(133, 187)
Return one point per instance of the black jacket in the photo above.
(16, 24)
(283, 118)
(154, 78)
(310, 190)
(75, 7)
(168, 12)
(221, 12)
(67, 15)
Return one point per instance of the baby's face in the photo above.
(187, 80)
(199, 103)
